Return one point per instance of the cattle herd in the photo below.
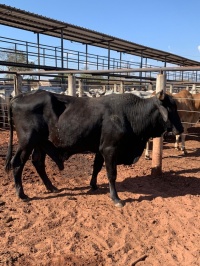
(116, 127)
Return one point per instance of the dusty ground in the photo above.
(159, 224)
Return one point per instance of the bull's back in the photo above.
(79, 126)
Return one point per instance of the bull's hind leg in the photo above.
(38, 160)
(17, 163)
(98, 163)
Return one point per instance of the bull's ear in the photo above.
(160, 95)
(163, 112)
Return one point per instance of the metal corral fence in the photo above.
(86, 83)
(83, 84)
(49, 57)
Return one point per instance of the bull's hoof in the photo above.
(93, 187)
(184, 152)
(24, 197)
(119, 204)
(60, 165)
(53, 189)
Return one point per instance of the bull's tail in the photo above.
(10, 143)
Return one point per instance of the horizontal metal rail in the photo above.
(106, 71)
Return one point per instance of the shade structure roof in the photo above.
(24, 20)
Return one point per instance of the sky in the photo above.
(171, 26)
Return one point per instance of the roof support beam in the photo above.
(62, 61)
(100, 41)
(86, 56)
(52, 29)
(38, 45)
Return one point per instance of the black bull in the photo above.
(114, 127)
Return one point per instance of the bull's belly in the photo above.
(128, 160)
(68, 148)
(130, 154)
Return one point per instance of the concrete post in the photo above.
(17, 84)
(194, 91)
(171, 88)
(115, 87)
(80, 88)
(158, 142)
(71, 85)
(121, 87)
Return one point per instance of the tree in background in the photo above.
(15, 56)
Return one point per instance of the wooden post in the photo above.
(71, 85)
(158, 142)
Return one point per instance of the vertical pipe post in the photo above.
(62, 53)
(141, 64)
(86, 59)
(108, 61)
(56, 56)
(38, 47)
(109, 55)
(158, 142)
(27, 53)
(120, 63)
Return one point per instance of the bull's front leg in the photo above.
(183, 149)
(111, 168)
(98, 163)
(38, 160)
(177, 142)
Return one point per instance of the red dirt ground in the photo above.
(159, 224)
